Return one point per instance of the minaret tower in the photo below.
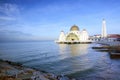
(62, 36)
(104, 33)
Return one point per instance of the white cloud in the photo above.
(8, 35)
(9, 14)
(5, 18)
(9, 9)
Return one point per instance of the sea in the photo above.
(78, 61)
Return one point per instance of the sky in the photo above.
(28, 20)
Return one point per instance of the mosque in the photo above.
(74, 36)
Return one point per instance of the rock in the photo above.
(13, 71)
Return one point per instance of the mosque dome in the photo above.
(74, 28)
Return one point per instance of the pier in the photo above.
(109, 43)
(113, 48)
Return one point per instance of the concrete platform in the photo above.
(73, 42)
(114, 55)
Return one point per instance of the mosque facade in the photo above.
(74, 36)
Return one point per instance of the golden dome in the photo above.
(74, 28)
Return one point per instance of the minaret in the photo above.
(104, 33)
(62, 37)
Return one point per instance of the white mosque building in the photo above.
(74, 36)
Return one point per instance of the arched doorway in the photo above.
(72, 37)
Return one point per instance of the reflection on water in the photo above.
(72, 57)
(73, 49)
(78, 49)
(62, 48)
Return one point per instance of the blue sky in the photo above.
(44, 19)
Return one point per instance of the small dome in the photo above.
(74, 28)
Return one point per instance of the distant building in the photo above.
(74, 36)
(96, 37)
(114, 37)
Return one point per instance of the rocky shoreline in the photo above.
(16, 71)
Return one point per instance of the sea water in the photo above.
(75, 60)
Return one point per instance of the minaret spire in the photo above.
(104, 32)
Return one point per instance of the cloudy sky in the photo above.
(44, 19)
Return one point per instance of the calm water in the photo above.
(78, 60)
